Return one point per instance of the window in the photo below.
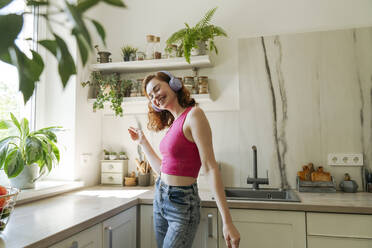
(11, 100)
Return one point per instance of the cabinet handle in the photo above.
(74, 244)
(109, 229)
(111, 178)
(210, 225)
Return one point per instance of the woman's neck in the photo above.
(177, 110)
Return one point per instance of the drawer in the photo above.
(339, 225)
(112, 167)
(112, 178)
(327, 242)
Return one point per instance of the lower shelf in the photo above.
(134, 105)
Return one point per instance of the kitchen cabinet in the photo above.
(121, 230)
(206, 236)
(89, 238)
(265, 228)
(147, 239)
(338, 230)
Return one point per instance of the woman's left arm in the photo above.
(202, 135)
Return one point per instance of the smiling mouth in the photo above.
(161, 100)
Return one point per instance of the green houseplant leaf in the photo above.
(14, 163)
(66, 64)
(4, 3)
(11, 25)
(100, 30)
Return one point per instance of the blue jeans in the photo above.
(176, 214)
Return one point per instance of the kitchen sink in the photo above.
(247, 194)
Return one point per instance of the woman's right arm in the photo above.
(138, 136)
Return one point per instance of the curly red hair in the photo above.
(160, 120)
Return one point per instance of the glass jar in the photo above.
(140, 90)
(134, 88)
(140, 55)
(189, 83)
(203, 84)
(157, 48)
(150, 46)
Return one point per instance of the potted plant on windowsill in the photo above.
(27, 155)
(193, 40)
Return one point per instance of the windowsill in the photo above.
(44, 189)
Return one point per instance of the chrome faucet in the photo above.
(255, 181)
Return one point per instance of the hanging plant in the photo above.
(108, 88)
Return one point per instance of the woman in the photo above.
(186, 146)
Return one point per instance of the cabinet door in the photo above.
(206, 236)
(89, 238)
(147, 239)
(264, 228)
(120, 231)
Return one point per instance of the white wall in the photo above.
(241, 19)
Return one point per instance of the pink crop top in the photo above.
(180, 156)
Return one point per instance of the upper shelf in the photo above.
(154, 64)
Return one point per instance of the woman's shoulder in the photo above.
(197, 114)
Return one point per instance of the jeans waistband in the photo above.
(167, 187)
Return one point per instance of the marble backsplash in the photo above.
(303, 96)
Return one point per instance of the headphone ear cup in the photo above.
(175, 84)
(156, 108)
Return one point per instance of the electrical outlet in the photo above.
(345, 159)
(85, 158)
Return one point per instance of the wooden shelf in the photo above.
(154, 64)
(138, 100)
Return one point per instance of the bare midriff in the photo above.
(177, 180)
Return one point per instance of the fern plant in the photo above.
(191, 37)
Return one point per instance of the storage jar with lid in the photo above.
(203, 84)
(189, 83)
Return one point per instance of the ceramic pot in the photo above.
(349, 186)
(200, 50)
(144, 179)
(27, 178)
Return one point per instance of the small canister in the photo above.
(203, 84)
(134, 89)
(141, 91)
(189, 83)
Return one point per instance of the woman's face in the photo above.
(160, 94)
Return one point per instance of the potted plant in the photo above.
(197, 37)
(113, 155)
(122, 156)
(106, 154)
(108, 88)
(128, 52)
(27, 154)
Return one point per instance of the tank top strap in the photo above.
(183, 116)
